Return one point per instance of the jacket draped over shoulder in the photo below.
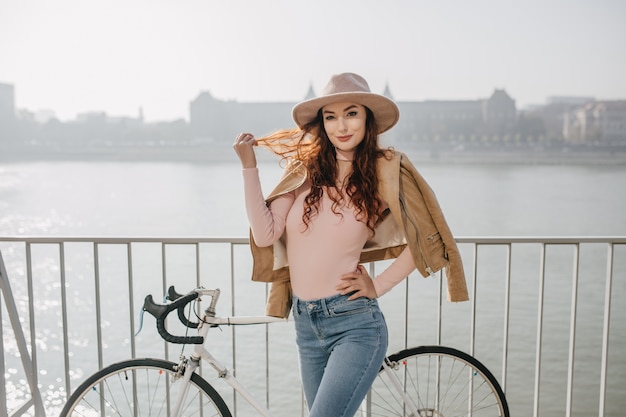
(414, 218)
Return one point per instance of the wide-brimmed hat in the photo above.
(351, 88)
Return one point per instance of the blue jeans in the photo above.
(341, 345)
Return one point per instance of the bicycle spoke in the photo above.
(143, 387)
(441, 382)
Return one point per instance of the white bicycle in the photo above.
(425, 381)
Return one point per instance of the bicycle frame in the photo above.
(417, 381)
(200, 353)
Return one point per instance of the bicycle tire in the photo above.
(140, 387)
(441, 382)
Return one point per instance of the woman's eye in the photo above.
(329, 117)
(352, 113)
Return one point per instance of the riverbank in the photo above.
(221, 153)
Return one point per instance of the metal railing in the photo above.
(73, 304)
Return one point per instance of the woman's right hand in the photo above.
(243, 146)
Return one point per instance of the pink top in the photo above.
(320, 255)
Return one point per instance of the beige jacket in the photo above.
(415, 219)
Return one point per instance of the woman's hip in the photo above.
(336, 316)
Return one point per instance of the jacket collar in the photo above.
(293, 177)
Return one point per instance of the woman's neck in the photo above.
(344, 167)
(344, 155)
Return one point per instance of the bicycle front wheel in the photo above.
(142, 387)
(435, 381)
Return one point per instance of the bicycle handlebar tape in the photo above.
(183, 319)
(160, 312)
(172, 295)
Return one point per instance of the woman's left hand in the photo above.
(358, 282)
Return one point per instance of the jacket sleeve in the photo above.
(442, 240)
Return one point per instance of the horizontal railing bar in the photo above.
(550, 240)
(126, 240)
(482, 240)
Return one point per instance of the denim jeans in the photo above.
(341, 345)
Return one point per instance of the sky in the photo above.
(119, 56)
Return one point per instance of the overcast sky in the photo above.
(117, 56)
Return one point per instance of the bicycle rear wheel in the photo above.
(440, 381)
(142, 387)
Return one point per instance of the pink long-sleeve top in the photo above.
(320, 254)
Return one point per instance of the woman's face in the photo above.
(345, 125)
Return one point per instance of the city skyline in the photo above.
(49, 113)
(77, 57)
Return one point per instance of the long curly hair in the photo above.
(312, 147)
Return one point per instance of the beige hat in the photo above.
(352, 88)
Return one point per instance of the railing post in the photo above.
(64, 317)
(507, 315)
(11, 307)
(542, 275)
(605, 330)
(572, 337)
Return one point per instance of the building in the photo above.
(214, 120)
(8, 127)
(597, 123)
(420, 121)
(433, 126)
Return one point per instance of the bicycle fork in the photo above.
(389, 370)
(190, 367)
(200, 353)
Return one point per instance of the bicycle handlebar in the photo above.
(173, 296)
(160, 312)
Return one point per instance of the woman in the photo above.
(342, 201)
